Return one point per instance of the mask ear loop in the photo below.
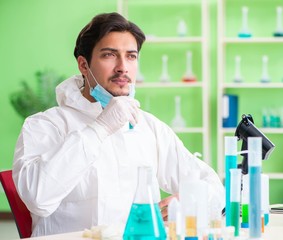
(88, 83)
(91, 74)
(90, 88)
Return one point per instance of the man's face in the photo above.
(114, 62)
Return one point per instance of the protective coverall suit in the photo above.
(70, 179)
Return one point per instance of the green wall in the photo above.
(36, 35)
(40, 34)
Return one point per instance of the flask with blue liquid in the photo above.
(145, 220)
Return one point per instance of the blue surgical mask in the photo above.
(101, 95)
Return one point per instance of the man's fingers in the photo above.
(163, 204)
(165, 201)
(164, 213)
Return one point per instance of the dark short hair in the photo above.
(100, 26)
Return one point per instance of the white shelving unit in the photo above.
(223, 85)
(203, 84)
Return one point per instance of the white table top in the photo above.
(273, 231)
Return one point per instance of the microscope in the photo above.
(245, 129)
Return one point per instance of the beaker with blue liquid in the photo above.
(145, 220)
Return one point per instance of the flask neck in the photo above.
(144, 191)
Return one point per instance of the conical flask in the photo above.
(144, 221)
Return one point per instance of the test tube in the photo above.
(173, 215)
(191, 217)
(230, 163)
(235, 199)
(215, 214)
(265, 197)
(254, 161)
(245, 202)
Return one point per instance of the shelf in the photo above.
(188, 130)
(264, 130)
(197, 38)
(153, 39)
(252, 40)
(272, 176)
(253, 85)
(278, 176)
(169, 85)
(251, 90)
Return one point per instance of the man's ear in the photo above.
(82, 65)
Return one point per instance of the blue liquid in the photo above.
(140, 225)
(255, 202)
(230, 162)
(244, 35)
(266, 219)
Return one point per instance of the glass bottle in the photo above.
(144, 221)
(178, 120)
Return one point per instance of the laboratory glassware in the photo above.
(279, 26)
(230, 163)
(215, 214)
(265, 197)
(245, 33)
(245, 201)
(235, 197)
(254, 161)
(264, 75)
(140, 77)
(174, 219)
(182, 28)
(198, 192)
(189, 75)
(238, 76)
(164, 74)
(178, 120)
(145, 220)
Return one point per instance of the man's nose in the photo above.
(121, 66)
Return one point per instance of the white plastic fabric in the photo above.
(71, 180)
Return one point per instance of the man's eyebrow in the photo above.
(115, 50)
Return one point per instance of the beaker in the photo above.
(144, 221)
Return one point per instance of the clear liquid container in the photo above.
(235, 199)
(145, 220)
(178, 120)
(230, 163)
(255, 158)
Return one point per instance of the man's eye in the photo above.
(108, 55)
(132, 56)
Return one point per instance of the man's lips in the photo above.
(120, 81)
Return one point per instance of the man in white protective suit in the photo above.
(75, 165)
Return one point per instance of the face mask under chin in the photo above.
(101, 95)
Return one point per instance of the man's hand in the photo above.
(117, 113)
(163, 204)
